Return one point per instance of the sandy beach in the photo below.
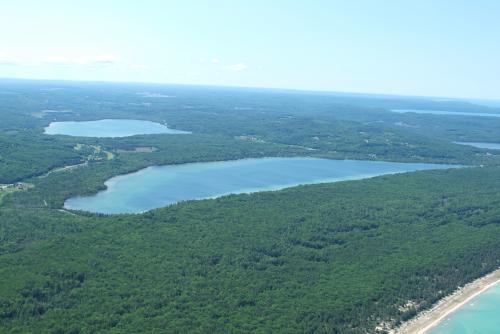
(430, 318)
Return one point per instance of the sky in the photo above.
(448, 48)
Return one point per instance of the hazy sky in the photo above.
(422, 47)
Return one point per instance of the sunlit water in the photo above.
(109, 128)
(491, 146)
(159, 186)
(442, 112)
(479, 316)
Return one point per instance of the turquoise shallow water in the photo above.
(442, 112)
(159, 186)
(479, 316)
(109, 128)
(491, 146)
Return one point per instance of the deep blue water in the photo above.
(159, 186)
(109, 128)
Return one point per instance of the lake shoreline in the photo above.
(430, 318)
(110, 128)
(198, 181)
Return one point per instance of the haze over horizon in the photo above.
(418, 48)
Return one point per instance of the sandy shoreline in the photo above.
(430, 318)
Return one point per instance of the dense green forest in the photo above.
(25, 156)
(329, 258)
(332, 258)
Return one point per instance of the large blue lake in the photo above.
(159, 186)
(442, 112)
(480, 316)
(109, 128)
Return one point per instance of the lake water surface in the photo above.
(109, 128)
(159, 186)
(480, 315)
(491, 146)
(443, 112)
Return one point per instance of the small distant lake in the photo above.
(442, 112)
(491, 146)
(480, 315)
(158, 186)
(109, 128)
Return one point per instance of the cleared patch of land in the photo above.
(10, 188)
(139, 149)
(65, 168)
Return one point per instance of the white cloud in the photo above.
(7, 63)
(103, 60)
(90, 62)
(215, 61)
(238, 67)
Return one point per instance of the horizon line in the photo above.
(298, 90)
